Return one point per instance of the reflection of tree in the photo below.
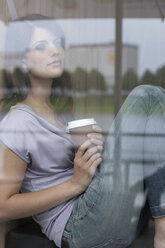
(79, 79)
(84, 81)
(160, 75)
(130, 80)
(96, 81)
(154, 79)
(148, 78)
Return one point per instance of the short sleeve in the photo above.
(14, 134)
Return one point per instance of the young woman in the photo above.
(85, 198)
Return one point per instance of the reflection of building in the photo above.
(102, 58)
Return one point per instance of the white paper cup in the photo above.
(79, 130)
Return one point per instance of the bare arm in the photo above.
(14, 205)
(159, 239)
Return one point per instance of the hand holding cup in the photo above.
(84, 129)
(87, 139)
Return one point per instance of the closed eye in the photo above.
(44, 44)
(41, 45)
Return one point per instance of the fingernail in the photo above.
(100, 148)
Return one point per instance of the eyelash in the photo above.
(43, 46)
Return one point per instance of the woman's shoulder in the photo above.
(17, 117)
(14, 132)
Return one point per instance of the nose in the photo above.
(53, 49)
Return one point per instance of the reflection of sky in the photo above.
(148, 34)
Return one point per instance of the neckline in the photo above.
(30, 110)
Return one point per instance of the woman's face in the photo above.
(45, 57)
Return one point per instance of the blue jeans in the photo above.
(106, 215)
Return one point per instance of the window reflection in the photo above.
(148, 36)
(86, 89)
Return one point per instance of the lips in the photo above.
(55, 63)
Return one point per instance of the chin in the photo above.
(50, 74)
(57, 74)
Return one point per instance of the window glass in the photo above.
(58, 64)
(146, 45)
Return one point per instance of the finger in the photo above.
(100, 148)
(97, 142)
(95, 136)
(95, 164)
(96, 128)
(81, 150)
(93, 158)
(90, 152)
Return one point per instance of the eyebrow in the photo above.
(40, 41)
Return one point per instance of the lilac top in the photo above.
(49, 154)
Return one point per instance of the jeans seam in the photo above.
(75, 220)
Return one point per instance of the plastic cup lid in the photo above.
(81, 123)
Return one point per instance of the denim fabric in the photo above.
(107, 214)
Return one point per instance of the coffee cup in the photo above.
(79, 130)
